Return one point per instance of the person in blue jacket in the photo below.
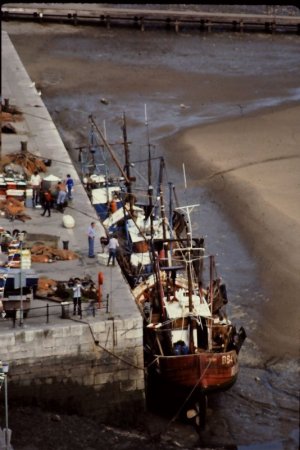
(70, 185)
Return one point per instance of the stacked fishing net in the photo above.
(28, 161)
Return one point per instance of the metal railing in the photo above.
(61, 310)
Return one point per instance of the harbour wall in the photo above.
(94, 369)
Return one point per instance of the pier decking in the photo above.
(148, 18)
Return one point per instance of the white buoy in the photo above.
(68, 221)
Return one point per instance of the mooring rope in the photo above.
(96, 342)
(189, 396)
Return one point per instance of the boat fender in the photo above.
(113, 206)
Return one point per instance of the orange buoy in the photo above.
(100, 283)
(113, 206)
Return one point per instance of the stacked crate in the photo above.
(14, 255)
(15, 188)
(17, 258)
(25, 259)
(2, 188)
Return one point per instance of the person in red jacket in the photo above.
(47, 203)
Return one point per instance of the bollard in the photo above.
(107, 298)
(47, 313)
(23, 146)
(20, 313)
(65, 313)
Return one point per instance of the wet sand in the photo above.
(252, 164)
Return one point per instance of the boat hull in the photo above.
(206, 372)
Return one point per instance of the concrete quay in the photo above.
(93, 365)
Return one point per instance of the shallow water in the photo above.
(185, 80)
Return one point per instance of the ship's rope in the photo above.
(152, 362)
(189, 396)
(96, 342)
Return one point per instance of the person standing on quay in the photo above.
(112, 250)
(47, 203)
(77, 297)
(61, 196)
(91, 239)
(70, 185)
(35, 181)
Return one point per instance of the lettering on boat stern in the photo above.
(227, 359)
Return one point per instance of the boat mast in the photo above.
(190, 283)
(211, 294)
(175, 196)
(189, 263)
(162, 207)
(150, 187)
(171, 186)
(108, 147)
(105, 164)
(127, 160)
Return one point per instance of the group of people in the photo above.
(112, 244)
(64, 190)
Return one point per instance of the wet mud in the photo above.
(185, 80)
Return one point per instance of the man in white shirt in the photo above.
(91, 239)
(77, 297)
(112, 250)
(35, 181)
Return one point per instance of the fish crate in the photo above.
(102, 258)
(18, 194)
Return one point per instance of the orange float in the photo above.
(113, 206)
(100, 283)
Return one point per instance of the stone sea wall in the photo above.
(95, 369)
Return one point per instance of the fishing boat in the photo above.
(190, 346)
